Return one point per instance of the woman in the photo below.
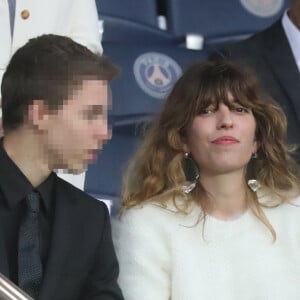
(211, 201)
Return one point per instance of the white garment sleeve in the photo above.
(84, 27)
(142, 248)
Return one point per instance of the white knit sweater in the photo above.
(165, 255)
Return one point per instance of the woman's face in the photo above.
(222, 140)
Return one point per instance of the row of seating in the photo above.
(211, 19)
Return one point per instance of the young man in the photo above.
(55, 241)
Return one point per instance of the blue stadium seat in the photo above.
(215, 19)
(103, 178)
(139, 11)
(148, 74)
(120, 30)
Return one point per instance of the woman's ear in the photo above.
(185, 148)
(256, 146)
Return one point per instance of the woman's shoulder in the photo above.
(294, 202)
(270, 198)
(281, 204)
(143, 224)
(171, 211)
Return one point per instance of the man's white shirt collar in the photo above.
(293, 36)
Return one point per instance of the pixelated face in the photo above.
(75, 133)
(222, 139)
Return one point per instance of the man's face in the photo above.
(74, 134)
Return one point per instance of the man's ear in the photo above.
(38, 114)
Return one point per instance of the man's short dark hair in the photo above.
(48, 67)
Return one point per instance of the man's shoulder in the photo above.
(255, 44)
(75, 194)
(250, 46)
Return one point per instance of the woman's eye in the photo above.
(206, 111)
(241, 109)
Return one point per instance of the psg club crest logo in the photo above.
(156, 73)
(263, 8)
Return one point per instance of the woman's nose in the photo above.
(225, 120)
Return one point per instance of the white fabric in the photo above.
(164, 255)
(12, 10)
(75, 179)
(293, 36)
(77, 19)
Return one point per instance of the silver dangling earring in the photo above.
(191, 172)
(254, 185)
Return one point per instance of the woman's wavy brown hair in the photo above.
(156, 171)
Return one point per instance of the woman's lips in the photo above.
(225, 140)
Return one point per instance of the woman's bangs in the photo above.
(211, 95)
(241, 93)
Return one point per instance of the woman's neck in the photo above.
(227, 195)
